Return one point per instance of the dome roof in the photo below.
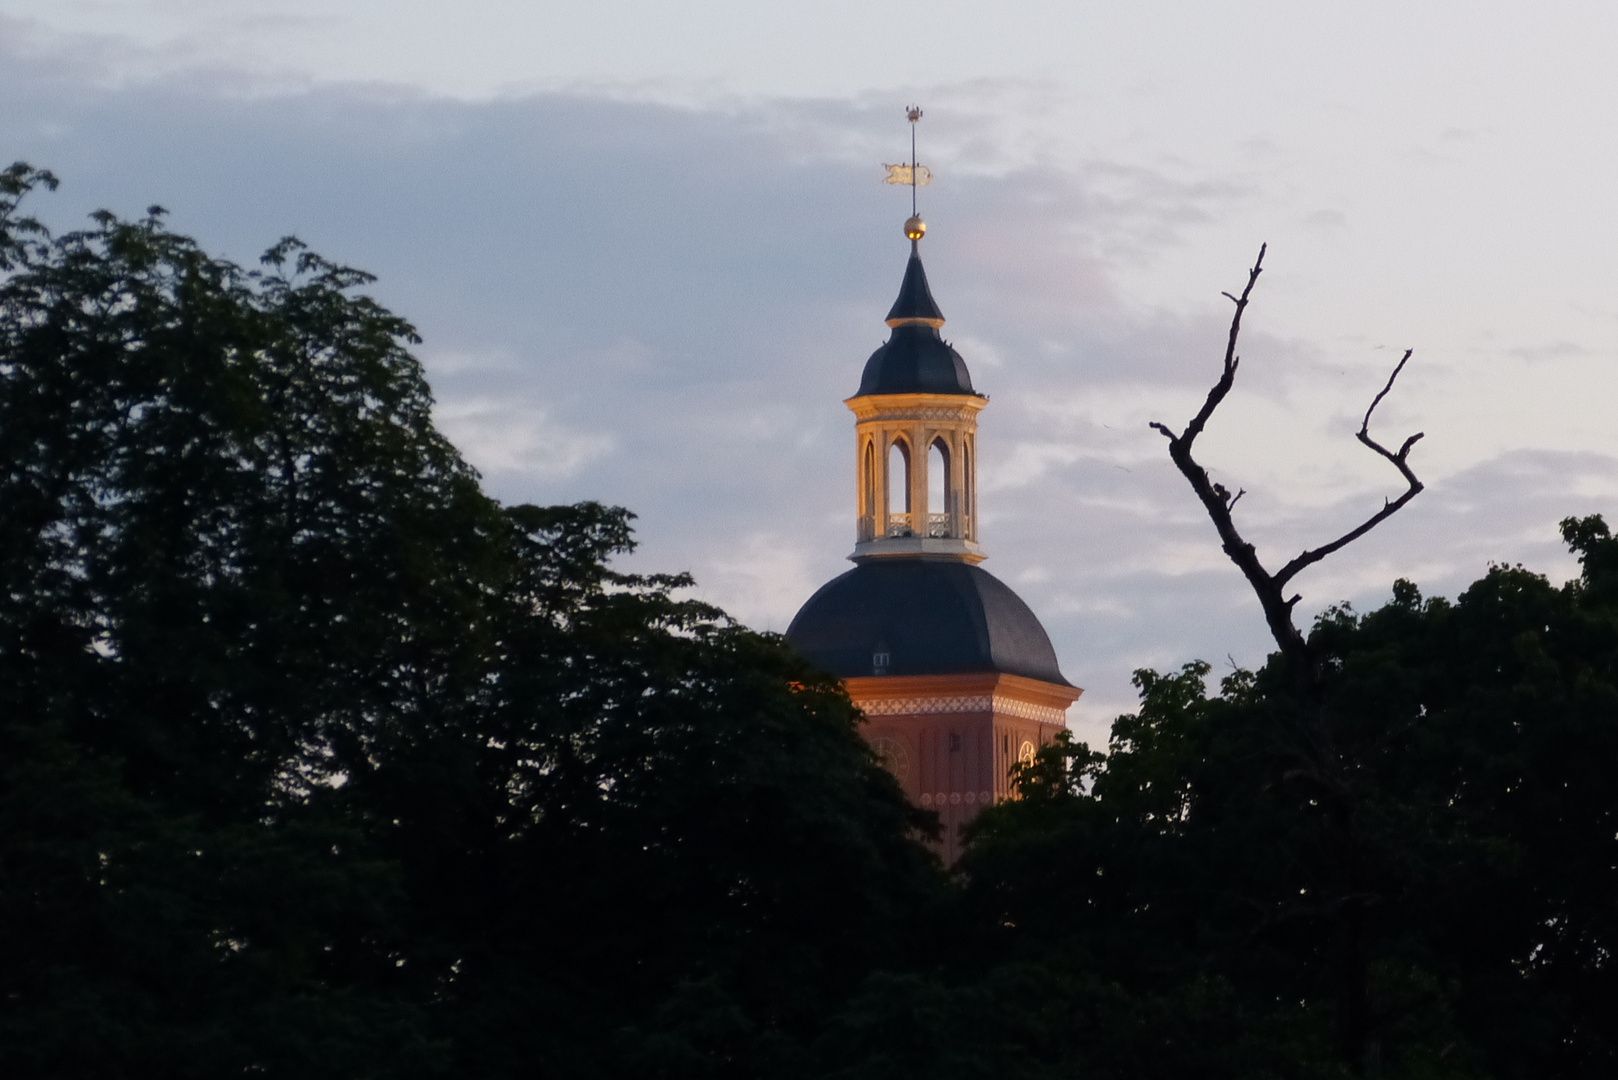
(915, 358)
(930, 616)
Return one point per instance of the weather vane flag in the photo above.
(908, 174)
(915, 175)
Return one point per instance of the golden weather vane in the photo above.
(913, 174)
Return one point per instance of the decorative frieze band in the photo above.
(926, 706)
(1047, 714)
(930, 413)
(956, 798)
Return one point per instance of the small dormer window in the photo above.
(880, 662)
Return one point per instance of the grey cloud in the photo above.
(1550, 352)
(1326, 220)
(663, 307)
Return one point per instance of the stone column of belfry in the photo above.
(957, 679)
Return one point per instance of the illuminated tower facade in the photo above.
(955, 674)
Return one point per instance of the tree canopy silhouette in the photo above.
(1393, 851)
(315, 761)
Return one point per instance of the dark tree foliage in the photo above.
(1314, 748)
(672, 818)
(1177, 900)
(315, 761)
(1332, 868)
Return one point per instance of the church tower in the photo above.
(956, 676)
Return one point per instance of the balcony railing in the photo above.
(938, 525)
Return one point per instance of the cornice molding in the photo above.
(869, 689)
(931, 412)
(912, 406)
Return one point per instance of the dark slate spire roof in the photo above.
(915, 359)
(915, 298)
(929, 617)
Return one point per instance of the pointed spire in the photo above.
(915, 359)
(915, 306)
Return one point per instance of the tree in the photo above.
(1391, 851)
(1270, 588)
(316, 761)
(1319, 763)
(1178, 897)
(674, 855)
(233, 549)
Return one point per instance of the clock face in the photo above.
(893, 756)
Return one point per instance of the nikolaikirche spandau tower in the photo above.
(956, 676)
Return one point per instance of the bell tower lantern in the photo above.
(916, 421)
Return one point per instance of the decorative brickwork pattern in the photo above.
(998, 703)
(922, 706)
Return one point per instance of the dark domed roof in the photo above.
(930, 616)
(915, 358)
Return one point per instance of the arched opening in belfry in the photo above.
(939, 489)
(898, 478)
(966, 482)
(868, 479)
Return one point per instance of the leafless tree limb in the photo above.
(1389, 507)
(1219, 503)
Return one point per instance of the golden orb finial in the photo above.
(915, 228)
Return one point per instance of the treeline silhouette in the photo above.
(315, 761)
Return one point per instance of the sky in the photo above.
(648, 250)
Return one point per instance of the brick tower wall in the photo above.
(953, 751)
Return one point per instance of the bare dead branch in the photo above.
(1400, 366)
(1364, 434)
(1226, 497)
(1389, 508)
(1219, 503)
(1227, 378)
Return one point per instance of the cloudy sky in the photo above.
(649, 250)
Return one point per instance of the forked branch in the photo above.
(1390, 507)
(1219, 503)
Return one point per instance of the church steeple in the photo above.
(957, 679)
(916, 434)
